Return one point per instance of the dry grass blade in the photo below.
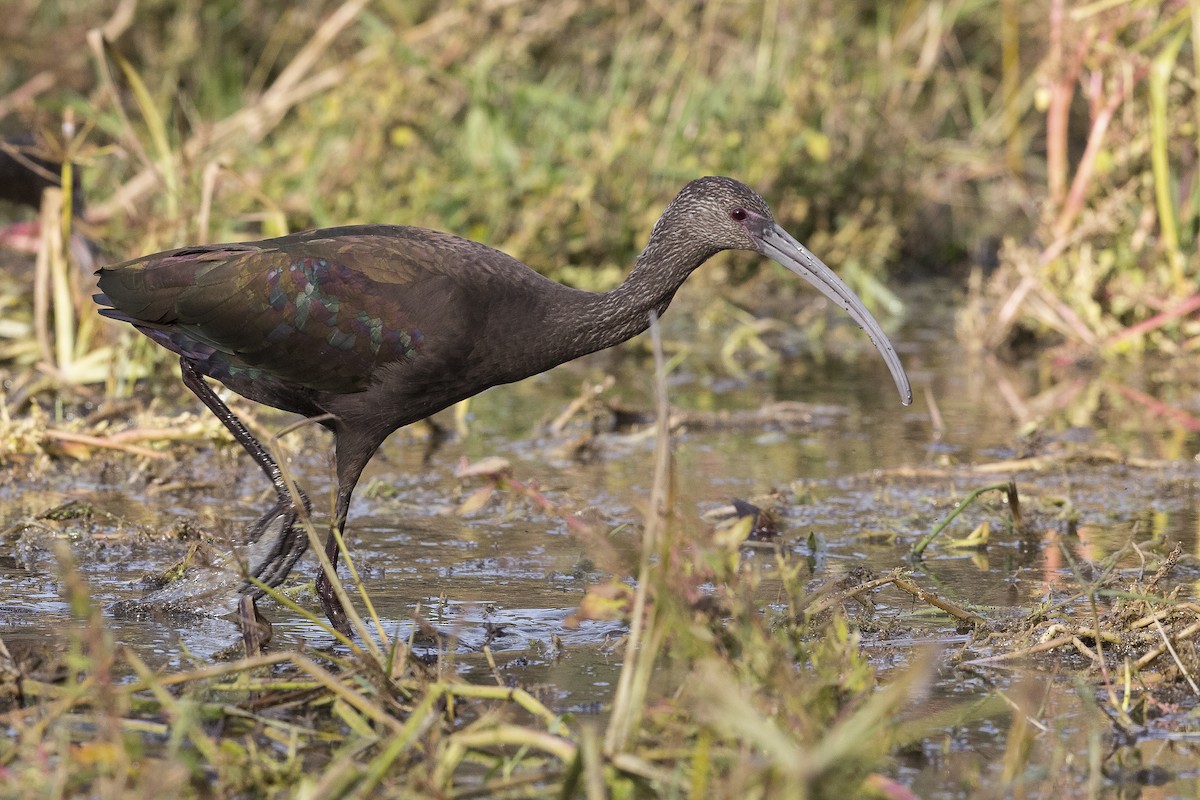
(645, 637)
(183, 719)
(103, 52)
(253, 122)
(43, 282)
(24, 94)
(308, 55)
(507, 694)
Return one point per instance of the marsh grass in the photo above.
(375, 719)
(761, 700)
(767, 701)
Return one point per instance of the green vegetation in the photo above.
(1046, 151)
(888, 136)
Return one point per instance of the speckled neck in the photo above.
(601, 320)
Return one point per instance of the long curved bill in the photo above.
(779, 245)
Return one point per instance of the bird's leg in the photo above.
(287, 540)
(353, 450)
(330, 603)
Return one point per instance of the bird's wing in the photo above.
(320, 310)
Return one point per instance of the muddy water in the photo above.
(863, 480)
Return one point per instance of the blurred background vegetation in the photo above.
(1040, 154)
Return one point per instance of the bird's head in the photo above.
(718, 214)
(722, 213)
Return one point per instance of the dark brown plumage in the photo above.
(372, 327)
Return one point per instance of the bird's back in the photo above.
(320, 311)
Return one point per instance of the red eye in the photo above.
(738, 214)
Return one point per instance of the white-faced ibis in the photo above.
(368, 328)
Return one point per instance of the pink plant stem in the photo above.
(1159, 408)
(1153, 323)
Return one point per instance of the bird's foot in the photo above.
(277, 541)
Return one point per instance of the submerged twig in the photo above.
(837, 598)
(1183, 670)
(104, 443)
(935, 600)
(900, 581)
(1166, 646)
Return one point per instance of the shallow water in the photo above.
(509, 578)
